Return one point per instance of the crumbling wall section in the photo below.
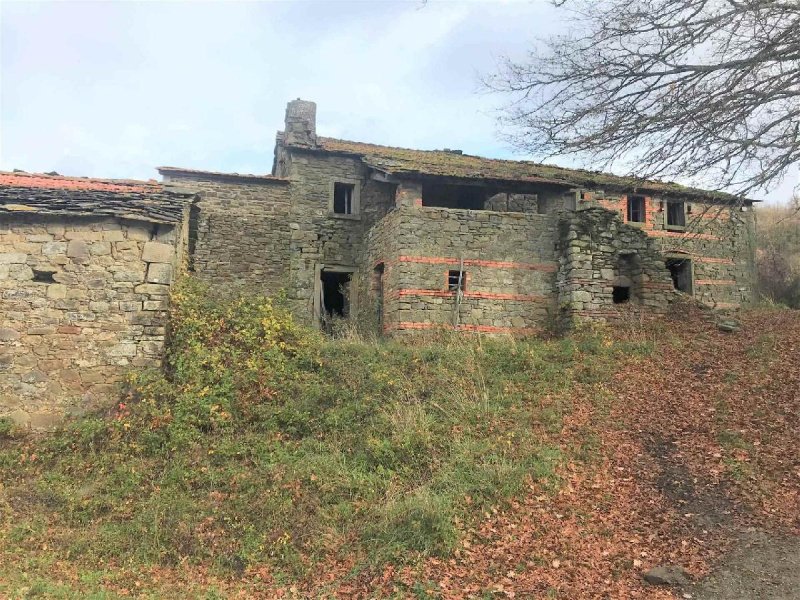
(719, 239)
(598, 252)
(82, 299)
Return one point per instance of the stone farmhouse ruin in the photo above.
(403, 240)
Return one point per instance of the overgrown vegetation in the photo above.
(273, 462)
(778, 259)
(267, 444)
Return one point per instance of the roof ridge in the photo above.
(398, 160)
(221, 173)
(58, 177)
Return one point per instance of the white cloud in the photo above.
(115, 89)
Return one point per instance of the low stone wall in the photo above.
(81, 300)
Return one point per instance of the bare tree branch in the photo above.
(703, 90)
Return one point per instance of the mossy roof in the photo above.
(444, 163)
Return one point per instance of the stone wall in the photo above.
(319, 237)
(508, 260)
(82, 299)
(239, 232)
(274, 234)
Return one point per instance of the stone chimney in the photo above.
(301, 123)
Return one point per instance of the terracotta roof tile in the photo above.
(39, 180)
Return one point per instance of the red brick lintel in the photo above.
(475, 262)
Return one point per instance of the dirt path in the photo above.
(761, 566)
(716, 416)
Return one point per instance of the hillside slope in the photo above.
(274, 463)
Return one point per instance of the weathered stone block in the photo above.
(54, 248)
(20, 272)
(78, 249)
(155, 305)
(156, 252)
(8, 335)
(41, 330)
(113, 235)
(56, 291)
(13, 258)
(123, 349)
(159, 273)
(152, 289)
(100, 248)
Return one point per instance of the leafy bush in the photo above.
(778, 255)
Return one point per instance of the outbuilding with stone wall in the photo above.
(85, 272)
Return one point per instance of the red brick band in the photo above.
(411, 325)
(715, 282)
(475, 262)
(479, 295)
(714, 261)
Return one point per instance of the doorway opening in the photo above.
(335, 293)
(680, 270)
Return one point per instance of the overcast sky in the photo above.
(115, 89)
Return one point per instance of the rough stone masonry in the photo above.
(396, 239)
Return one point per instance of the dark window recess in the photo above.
(471, 197)
(335, 291)
(377, 283)
(621, 294)
(44, 276)
(676, 216)
(194, 224)
(680, 270)
(636, 209)
(456, 280)
(343, 198)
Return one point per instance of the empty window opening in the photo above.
(343, 198)
(44, 276)
(468, 197)
(676, 215)
(335, 293)
(636, 209)
(456, 280)
(621, 294)
(680, 270)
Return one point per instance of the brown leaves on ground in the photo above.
(670, 458)
(698, 439)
